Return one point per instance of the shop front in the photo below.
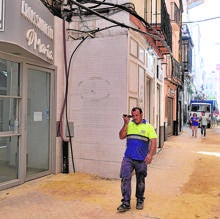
(170, 109)
(27, 92)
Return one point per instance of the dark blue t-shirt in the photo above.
(194, 122)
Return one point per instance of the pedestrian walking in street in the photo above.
(203, 121)
(140, 148)
(194, 124)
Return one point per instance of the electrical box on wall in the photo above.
(69, 132)
(70, 129)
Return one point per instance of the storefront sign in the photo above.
(171, 92)
(33, 40)
(28, 27)
(2, 16)
(36, 20)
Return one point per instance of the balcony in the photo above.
(176, 71)
(187, 47)
(157, 16)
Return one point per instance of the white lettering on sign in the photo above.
(32, 39)
(36, 20)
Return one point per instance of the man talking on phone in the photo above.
(140, 148)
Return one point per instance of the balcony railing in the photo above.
(158, 17)
(176, 71)
(187, 47)
(165, 24)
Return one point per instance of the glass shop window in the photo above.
(9, 96)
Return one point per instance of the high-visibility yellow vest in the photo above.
(138, 136)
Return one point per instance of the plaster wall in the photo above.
(97, 100)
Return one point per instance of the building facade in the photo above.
(174, 76)
(27, 92)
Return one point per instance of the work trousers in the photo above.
(203, 129)
(127, 167)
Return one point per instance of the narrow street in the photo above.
(183, 183)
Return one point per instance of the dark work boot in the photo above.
(123, 207)
(140, 205)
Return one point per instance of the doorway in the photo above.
(170, 116)
(158, 115)
(38, 122)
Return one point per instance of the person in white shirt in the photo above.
(204, 121)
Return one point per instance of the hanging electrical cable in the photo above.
(65, 95)
(202, 20)
(65, 102)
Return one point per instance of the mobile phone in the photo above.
(125, 115)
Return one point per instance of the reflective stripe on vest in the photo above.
(138, 137)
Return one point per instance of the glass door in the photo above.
(38, 122)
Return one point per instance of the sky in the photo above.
(210, 31)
